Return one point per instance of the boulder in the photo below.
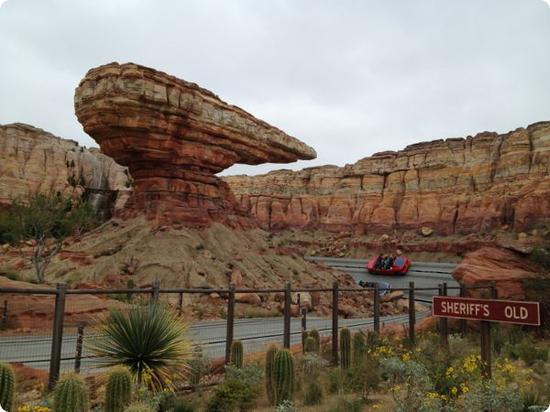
(506, 268)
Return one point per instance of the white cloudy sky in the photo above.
(348, 77)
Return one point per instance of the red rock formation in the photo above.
(506, 268)
(453, 186)
(174, 137)
(33, 160)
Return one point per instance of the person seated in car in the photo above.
(389, 262)
(379, 261)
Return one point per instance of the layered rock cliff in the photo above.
(33, 160)
(456, 185)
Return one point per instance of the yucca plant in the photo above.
(148, 340)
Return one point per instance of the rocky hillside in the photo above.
(33, 160)
(456, 185)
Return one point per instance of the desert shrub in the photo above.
(140, 407)
(199, 365)
(313, 394)
(527, 351)
(286, 406)
(231, 396)
(541, 256)
(335, 381)
(171, 403)
(488, 396)
(346, 405)
(250, 374)
(363, 377)
(409, 382)
(311, 365)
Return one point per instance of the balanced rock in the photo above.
(174, 136)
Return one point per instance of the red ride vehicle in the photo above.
(399, 266)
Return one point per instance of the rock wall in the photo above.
(33, 160)
(456, 185)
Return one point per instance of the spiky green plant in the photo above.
(119, 390)
(283, 376)
(236, 355)
(345, 348)
(7, 386)
(314, 333)
(71, 395)
(310, 345)
(269, 361)
(359, 346)
(148, 340)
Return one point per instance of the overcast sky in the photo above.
(350, 78)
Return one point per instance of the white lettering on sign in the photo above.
(515, 312)
(461, 308)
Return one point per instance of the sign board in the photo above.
(492, 310)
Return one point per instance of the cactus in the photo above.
(359, 346)
(119, 390)
(305, 335)
(7, 386)
(315, 335)
(269, 360)
(283, 376)
(236, 357)
(71, 395)
(310, 345)
(345, 348)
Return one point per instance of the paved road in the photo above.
(255, 334)
(423, 274)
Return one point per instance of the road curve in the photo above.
(423, 274)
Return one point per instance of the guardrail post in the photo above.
(180, 304)
(78, 351)
(486, 344)
(335, 288)
(230, 322)
(412, 314)
(286, 331)
(156, 291)
(443, 325)
(57, 335)
(376, 305)
(463, 322)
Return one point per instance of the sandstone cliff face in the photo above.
(174, 136)
(458, 185)
(33, 160)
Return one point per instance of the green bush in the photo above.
(251, 374)
(140, 407)
(172, 403)
(488, 396)
(231, 396)
(335, 381)
(364, 377)
(541, 256)
(527, 351)
(347, 405)
(314, 393)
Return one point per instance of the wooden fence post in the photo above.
(156, 291)
(376, 305)
(486, 342)
(180, 304)
(304, 318)
(230, 322)
(443, 325)
(286, 331)
(57, 335)
(463, 322)
(335, 288)
(412, 314)
(5, 314)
